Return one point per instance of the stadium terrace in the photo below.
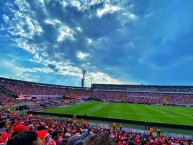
(115, 104)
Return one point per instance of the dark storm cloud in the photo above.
(53, 67)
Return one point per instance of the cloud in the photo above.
(53, 67)
(22, 73)
(131, 16)
(117, 41)
(107, 9)
(52, 21)
(65, 32)
(98, 77)
(6, 18)
(82, 55)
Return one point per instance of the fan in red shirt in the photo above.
(4, 135)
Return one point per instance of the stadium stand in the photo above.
(12, 125)
(168, 95)
(142, 88)
(59, 132)
(30, 89)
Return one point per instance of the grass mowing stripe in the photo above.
(133, 113)
(76, 109)
(150, 113)
(158, 117)
(146, 114)
(86, 110)
(71, 109)
(167, 115)
(99, 112)
(177, 113)
(116, 111)
(106, 109)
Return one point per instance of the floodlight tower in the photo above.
(84, 72)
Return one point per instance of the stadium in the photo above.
(106, 105)
(96, 72)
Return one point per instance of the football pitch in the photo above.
(139, 112)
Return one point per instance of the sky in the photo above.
(137, 42)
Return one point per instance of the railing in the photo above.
(174, 135)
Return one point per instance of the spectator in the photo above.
(25, 138)
(4, 127)
(158, 132)
(79, 140)
(100, 139)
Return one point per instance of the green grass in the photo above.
(138, 112)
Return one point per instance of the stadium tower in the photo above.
(84, 71)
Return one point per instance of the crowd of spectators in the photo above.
(47, 131)
(142, 88)
(27, 89)
(143, 98)
(6, 100)
(138, 93)
(3, 98)
(14, 126)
